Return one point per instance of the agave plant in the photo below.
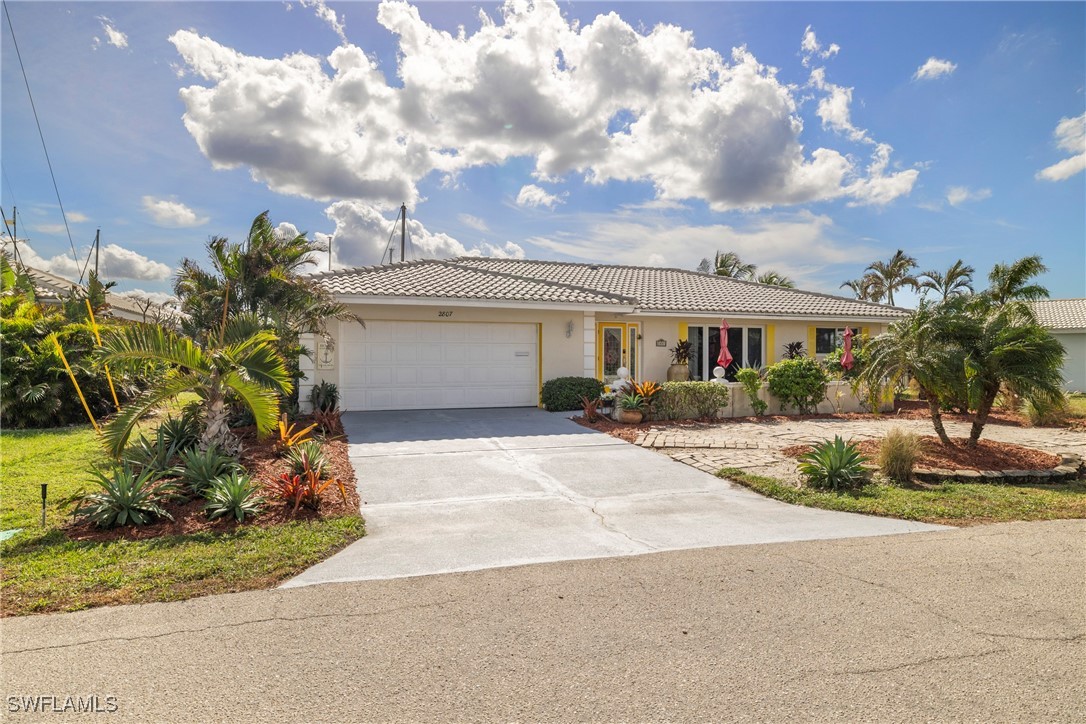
(126, 497)
(200, 468)
(234, 494)
(832, 464)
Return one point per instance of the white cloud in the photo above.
(603, 100)
(362, 233)
(934, 68)
(49, 228)
(801, 245)
(326, 14)
(958, 195)
(174, 214)
(879, 188)
(533, 196)
(812, 48)
(114, 262)
(162, 298)
(113, 36)
(835, 107)
(1070, 136)
(76, 218)
(473, 221)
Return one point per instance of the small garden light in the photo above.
(44, 492)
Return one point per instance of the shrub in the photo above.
(681, 400)
(565, 393)
(833, 362)
(751, 381)
(898, 453)
(832, 464)
(324, 397)
(1047, 413)
(126, 497)
(234, 494)
(200, 468)
(306, 456)
(799, 382)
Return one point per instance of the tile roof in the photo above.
(1061, 313)
(647, 288)
(53, 288)
(448, 280)
(680, 290)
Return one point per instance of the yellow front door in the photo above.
(616, 346)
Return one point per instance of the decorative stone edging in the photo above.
(1071, 467)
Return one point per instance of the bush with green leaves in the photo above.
(324, 397)
(126, 497)
(751, 380)
(1047, 413)
(235, 494)
(833, 362)
(199, 468)
(305, 456)
(898, 452)
(832, 464)
(35, 390)
(799, 383)
(565, 393)
(684, 400)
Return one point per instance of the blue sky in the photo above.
(810, 138)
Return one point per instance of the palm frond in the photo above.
(262, 401)
(137, 344)
(116, 433)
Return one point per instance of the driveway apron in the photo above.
(462, 490)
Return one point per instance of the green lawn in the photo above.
(949, 503)
(42, 570)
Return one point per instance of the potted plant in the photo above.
(680, 362)
(630, 408)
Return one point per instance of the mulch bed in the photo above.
(988, 455)
(262, 462)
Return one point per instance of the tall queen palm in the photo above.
(242, 362)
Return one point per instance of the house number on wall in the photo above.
(445, 314)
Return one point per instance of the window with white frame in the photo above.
(746, 345)
(828, 339)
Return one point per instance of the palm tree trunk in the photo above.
(980, 419)
(937, 420)
(217, 433)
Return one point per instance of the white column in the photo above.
(589, 344)
(308, 368)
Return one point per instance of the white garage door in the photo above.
(423, 365)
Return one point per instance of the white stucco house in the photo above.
(1066, 320)
(487, 332)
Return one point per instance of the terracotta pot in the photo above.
(629, 417)
(678, 373)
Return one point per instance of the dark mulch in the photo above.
(988, 455)
(263, 463)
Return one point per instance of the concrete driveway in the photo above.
(462, 490)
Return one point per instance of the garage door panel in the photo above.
(421, 365)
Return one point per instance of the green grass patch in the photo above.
(948, 503)
(42, 570)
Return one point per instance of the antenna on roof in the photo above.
(403, 229)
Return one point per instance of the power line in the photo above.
(49, 163)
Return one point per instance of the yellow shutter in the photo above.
(811, 341)
(683, 331)
(770, 345)
(865, 332)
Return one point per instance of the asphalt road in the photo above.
(982, 624)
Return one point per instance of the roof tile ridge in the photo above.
(455, 263)
(371, 268)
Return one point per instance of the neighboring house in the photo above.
(52, 289)
(483, 332)
(1066, 320)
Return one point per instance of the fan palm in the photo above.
(242, 363)
(728, 264)
(957, 281)
(894, 274)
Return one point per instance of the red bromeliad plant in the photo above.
(305, 489)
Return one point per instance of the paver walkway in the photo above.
(756, 446)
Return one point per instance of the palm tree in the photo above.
(1008, 348)
(867, 288)
(894, 274)
(728, 264)
(957, 281)
(920, 347)
(1011, 283)
(776, 279)
(242, 363)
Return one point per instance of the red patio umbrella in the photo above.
(846, 358)
(725, 357)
